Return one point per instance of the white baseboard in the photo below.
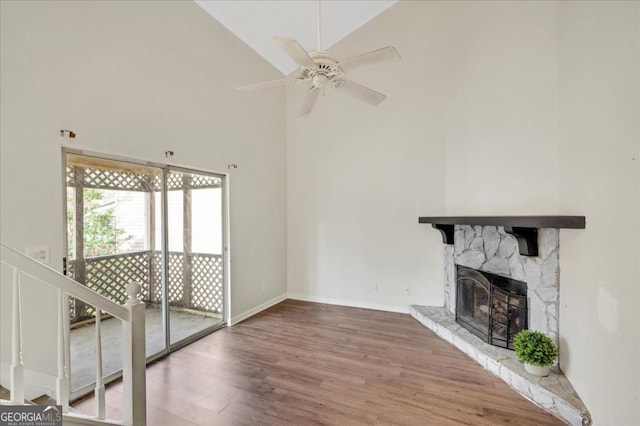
(251, 312)
(317, 299)
(350, 303)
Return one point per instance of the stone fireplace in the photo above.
(502, 275)
(492, 250)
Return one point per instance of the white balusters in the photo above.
(62, 380)
(66, 316)
(132, 316)
(99, 390)
(134, 359)
(17, 369)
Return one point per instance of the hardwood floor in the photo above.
(305, 363)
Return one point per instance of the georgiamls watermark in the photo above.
(30, 415)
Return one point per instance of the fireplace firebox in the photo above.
(492, 307)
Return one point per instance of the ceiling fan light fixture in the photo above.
(320, 80)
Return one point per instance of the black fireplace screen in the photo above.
(492, 307)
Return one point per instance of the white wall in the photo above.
(547, 90)
(599, 82)
(136, 79)
(359, 176)
(502, 143)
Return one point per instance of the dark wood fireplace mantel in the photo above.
(524, 228)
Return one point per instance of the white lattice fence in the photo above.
(206, 282)
(176, 180)
(205, 277)
(155, 278)
(109, 275)
(176, 286)
(101, 178)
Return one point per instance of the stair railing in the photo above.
(132, 315)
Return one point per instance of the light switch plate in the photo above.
(39, 253)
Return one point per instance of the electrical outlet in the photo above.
(374, 286)
(408, 290)
(40, 253)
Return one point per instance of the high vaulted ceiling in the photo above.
(257, 22)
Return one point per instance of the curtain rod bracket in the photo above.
(71, 133)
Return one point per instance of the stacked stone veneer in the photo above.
(491, 249)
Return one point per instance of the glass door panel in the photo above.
(114, 236)
(195, 254)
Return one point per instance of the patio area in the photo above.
(183, 323)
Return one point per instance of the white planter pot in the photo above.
(537, 370)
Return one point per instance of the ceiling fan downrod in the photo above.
(318, 30)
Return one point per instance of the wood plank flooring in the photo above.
(305, 363)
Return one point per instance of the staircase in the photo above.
(132, 315)
(5, 398)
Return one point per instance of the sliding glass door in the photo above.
(153, 224)
(195, 262)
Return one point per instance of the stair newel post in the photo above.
(17, 369)
(62, 381)
(134, 359)
(99, 389)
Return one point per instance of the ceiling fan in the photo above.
(323, 70)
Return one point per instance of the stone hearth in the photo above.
(554, 393)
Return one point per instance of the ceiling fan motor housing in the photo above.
(326, 69)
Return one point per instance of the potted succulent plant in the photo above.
(536, 350)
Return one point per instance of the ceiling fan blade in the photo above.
(360, 92)
(267, 84)
(385, 54)
(296, 51)
(309, 100)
